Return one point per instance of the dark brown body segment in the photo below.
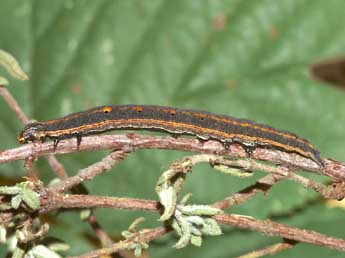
(202, 124)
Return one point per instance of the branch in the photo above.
(335, 191)
(90, 172)
(263, 185)
(145, 236)
(266, 227)
(12, 103)
(270, 250)
(52, 201)
(130, 142)
(270, 228)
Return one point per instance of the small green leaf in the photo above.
(41, 251)
(145, 245)
(196, 240)
(85, 214)
(18, 253)
(3, 232)
(10, 190)
(196, 220)
(135, 223)
(168, 199)
(211, 228)
(54, 181)
(195, 230)
(126, 234)
(176, 227)
(30, 198)
(186, 232)
(3, 81)
(12, 66)
(233, 171)
(185, 198)
(59, 247)
(137, 250)
(16, 201)
(202, 210)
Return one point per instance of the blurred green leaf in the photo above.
(242, 58)
(10, 64)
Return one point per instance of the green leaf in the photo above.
(30, 198)
(41, 251)
(10, 190)
(202, 210)
(3, 233)
(168, 198)
(16, 201)
(246, 59)
(11, 65)
(3, 81)
(18, 253)
(186, 233)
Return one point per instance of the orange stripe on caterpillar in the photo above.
(201, 124)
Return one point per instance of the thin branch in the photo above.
(52, 201)
(143, 236)
(12, 103)
(101, 234)
(130, 142)
(270, 228)
(270, 250)
(90, 172)
(265, 227)
(62, 174)
(263, 185)
(329, 192)
(57, 167)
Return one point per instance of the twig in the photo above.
(329, 192)
(266, 227)
(57, 167)
(90, 172)
(62, 174)
(145, 236)
(270, 228)
(326, 191)
(135, 141)
(130, 142)
(270, 250)
(12, 103)
(98, 229)
(52, 201)
(101, 234)
(263, 185)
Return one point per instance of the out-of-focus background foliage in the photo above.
(242, 58)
